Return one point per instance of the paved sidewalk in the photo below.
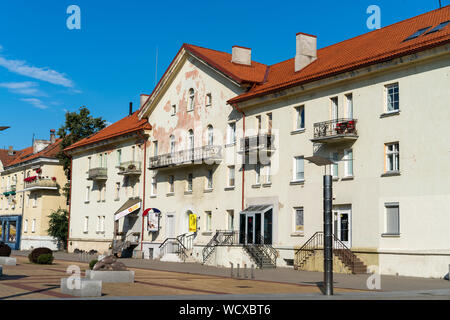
(282, 275)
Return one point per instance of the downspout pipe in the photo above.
(243, 164)
(143, 187)
(70, 204)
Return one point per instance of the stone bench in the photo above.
(110, 276)
(8, 261)
(88, 288)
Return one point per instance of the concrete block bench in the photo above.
(110, 276)
(88, 288)
(8, 261)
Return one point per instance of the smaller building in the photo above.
(31, 189)
(107, 189)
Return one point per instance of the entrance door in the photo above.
(170, 232)
(343, 226)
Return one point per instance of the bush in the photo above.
(5, 250)
(46, 258)
(92, 264)
(34, 255)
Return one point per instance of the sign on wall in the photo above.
(192, 222)
(152, 220)
(123, 213)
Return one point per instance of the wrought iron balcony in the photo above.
(98, 174)
(200, 155)
(130, 168)
(264, 142)
(336, 130)
(41, 183)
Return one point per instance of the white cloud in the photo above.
(35, 102)
(44, 74)
(26, 87)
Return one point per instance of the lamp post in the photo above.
(327, 222)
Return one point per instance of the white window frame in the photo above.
(25, 226)
(88, 194)
(208, 221)
(395, 157)
(295, 169)
(394, 97)
(191, 101)
(335, 166)
(171, 182)
(349, 105)
(154, 186)
(209, 180)
(257, 173)
(231, 172)
(117, 191)
(387, 227)
(33, 226)
(348, 156)
(231, 136)
(230, 221)
(299, 121)
(189, 182)
(86, 224)
(267, 175)
(208, 99)
(294, 222)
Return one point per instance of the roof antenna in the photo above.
(440, 4)
(156, 65)
(32, 140)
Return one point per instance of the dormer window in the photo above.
(191, 100)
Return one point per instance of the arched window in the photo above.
(191, 139)
(172, 144)
(191, 99)
(210, 135)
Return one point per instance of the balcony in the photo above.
(200, 155)
(41, 184)
(260, 142)
(10, 190)
(98, 174)
(129, 168)
(337, 130)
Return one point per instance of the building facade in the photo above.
(31, 189)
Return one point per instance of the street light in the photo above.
(327, 222)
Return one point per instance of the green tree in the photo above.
(78, 125)
(59, 226)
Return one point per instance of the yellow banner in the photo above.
(192, 223)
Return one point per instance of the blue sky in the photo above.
(47, 69)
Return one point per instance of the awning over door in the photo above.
(131, 205)
(257, 209)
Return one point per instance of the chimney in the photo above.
(241, 55)
(144, 98)
(52, 136)
(131, 108)
(10, 151)
(306, 50)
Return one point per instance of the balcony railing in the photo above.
(205, 154)
(10, 190)
(43, 183)
(264, 141)
(130, 168)
(98, 174)
(335, 130)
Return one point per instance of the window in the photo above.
(191, 99)
(172, 144)
(34, 200)
(298, 219)
(171, 184)
(439, 27)
(268, 174)
(348, 155)
(133, 153)
(174, 109)
(102, 224)
(191, 139)
(392, 157)
(25, 226)
(208, 215)
(100, 160)
(334, 108)
(88, 194)
(300, 118)
(89, 163)
(189, 182)
(154, 187)
(298, 169)
(392, 219)
(269, 122)
(231, 176)
(155, 148)
(99, 218)
(417, 33)
(209, 180)
(230, 214)
(257, 173)
(231, 136)
(33, 226)
(335, 165)
(392, 97)
(210, 135)
(258, 124)
(86, 224)
(119, 157)
(208, 99)
(117, 191)
(349, 98)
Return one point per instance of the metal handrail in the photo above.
(335, 127)
(193, 155)
(260, 250)
(181, 249)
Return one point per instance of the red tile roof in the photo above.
(126, 125)
(374, 47)
(222, 61)
(27, 154)
(5, 158)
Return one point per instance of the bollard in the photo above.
(245, 270)
(237, 271)
(231, 269)
(252, 274)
